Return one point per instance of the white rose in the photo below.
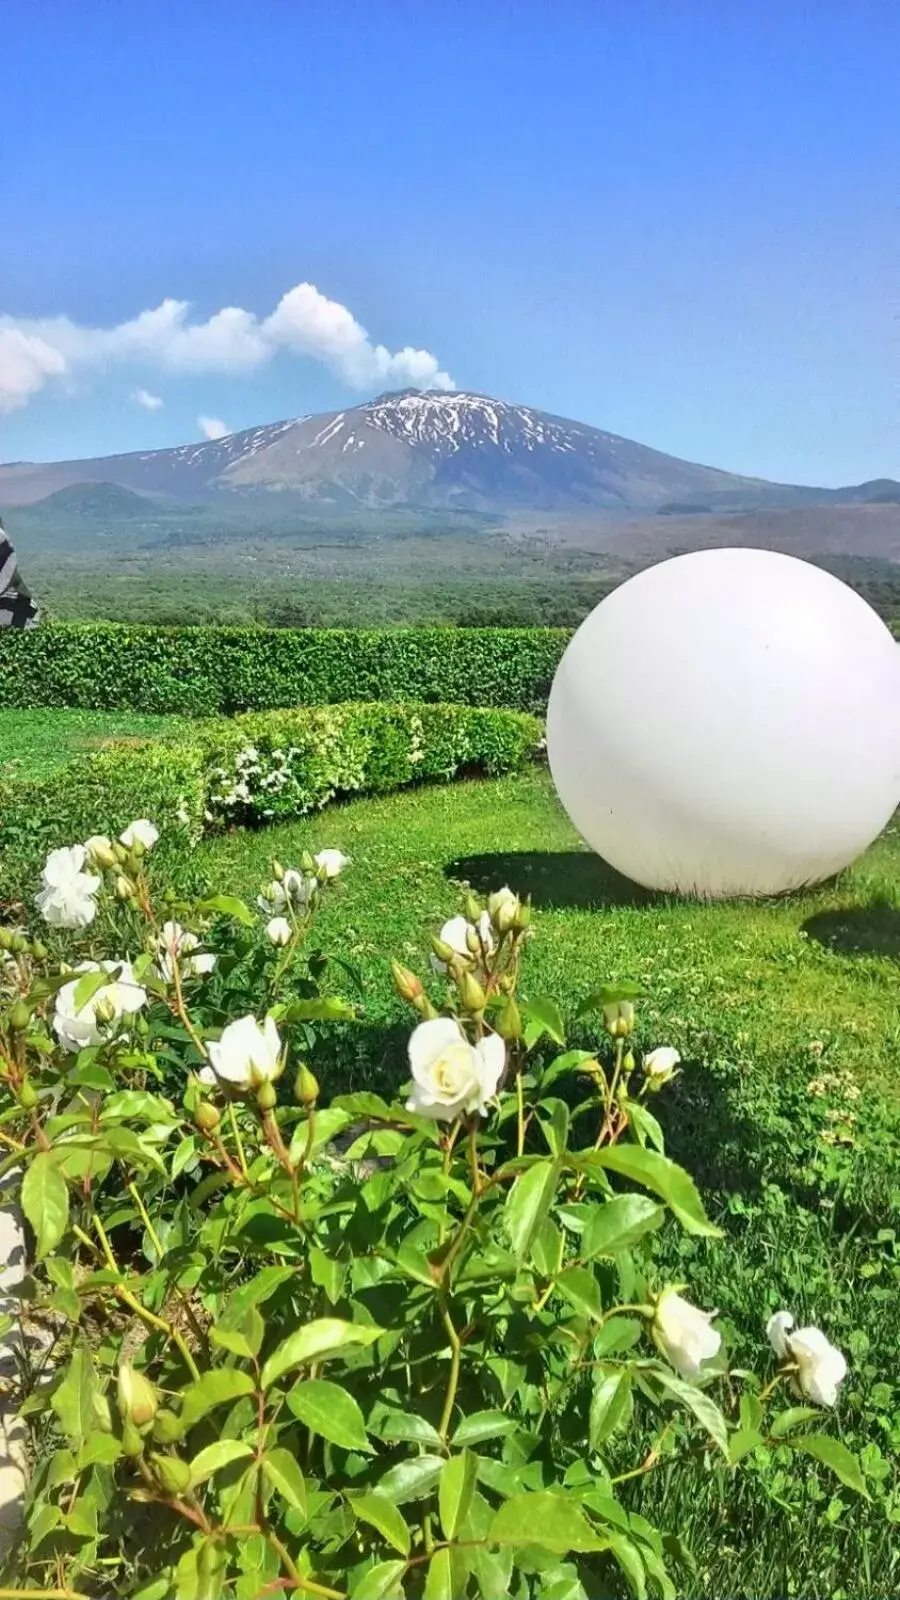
(450, 1075)
(821, 1367)
(334, 862)
(247, 1055)
(175, 944)
(503, 908)
(279, 931)
(685, 1335)
(660, 1064)
(78, 1027)
(295, 889)
(98, 842)
(207, 1077)
(140, 832)
(67, 897)
(454, 934)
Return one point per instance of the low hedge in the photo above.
(252, 769)
(220, 671)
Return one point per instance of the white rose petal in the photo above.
(140, 832)
(821, 1367)
(66, 899)
(176, 943)
(247, 1055)
(454, 934)
(279, 931)
(97, 841)
(684, 1334)
(334, 862)
(777, 1329)
(450, 1075)
(661, 1063)
(78, 1027)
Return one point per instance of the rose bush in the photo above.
(293, 1343)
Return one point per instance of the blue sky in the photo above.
(675, 219)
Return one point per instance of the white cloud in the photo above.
(150, 402)
(26, 363)
(213, 427)
(305, 322)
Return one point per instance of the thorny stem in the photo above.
(650, 1460)
(305, 1585)
(233, 1124)
(453, 1380)
(181, 1010)
(473, 1157)
(520, 1115)
(153, 1321)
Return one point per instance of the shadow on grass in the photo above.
(556, 879)
(872, 930)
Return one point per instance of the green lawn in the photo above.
(34, 743)
(763, 1000)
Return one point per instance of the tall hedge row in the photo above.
(213, 671)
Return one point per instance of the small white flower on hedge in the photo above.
(450, 1075)
(67, 897)
(79, 1027)
(821, 1367)
(247, 1055)
(279, 931)
(140, 832)
(175, 943)
(660, 1064)
(334, 862)
(684, 1334)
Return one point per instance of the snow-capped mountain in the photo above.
(417, 449)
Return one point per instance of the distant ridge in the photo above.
(429, 451)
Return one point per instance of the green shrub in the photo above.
(253, 768)
(207, 671)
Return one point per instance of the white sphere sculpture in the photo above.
(728, 723)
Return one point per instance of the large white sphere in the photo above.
(728, 723)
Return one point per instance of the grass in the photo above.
(764, 1000)
(35, 743)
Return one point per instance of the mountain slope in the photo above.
(429, 450)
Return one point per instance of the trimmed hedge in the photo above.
(320, 753)
(220, 671)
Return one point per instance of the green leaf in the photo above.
(548, 1015)
(412, 1479)
(833, 1454)
(439, 1579)
(661, 1176)
(245, 1339)
(254, 1293)
(327, 1008)
(43, 1523)
(455, 1490)
(329, 1410)
(570, 1061)
(227, 905)
(545, 1519)
(547, 1249)
(579, 1286)
(793, 1418)
(77, 1400)
(646, 1126)
(380, 1583)
(382, 1515)
(216, 1456)
(703, 1408)
(741, 1443)
(88, 985)
(484, 1425)
(610, 994)
(618, 1225)
(213, 1388)
(528, 1203)
(610, 1405)
(45, 1202)
(628, 1556)
(408, 1427)
(317, 1341)
(283, 1472)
